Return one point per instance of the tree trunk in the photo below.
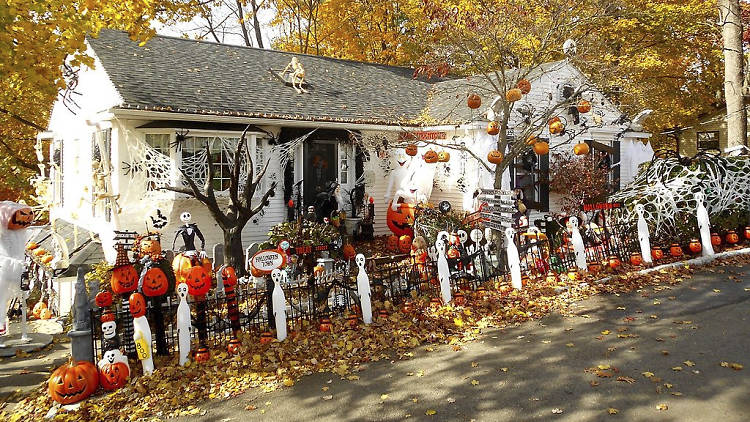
(256, 23)
(243, 25)
(731, 31)
(234, 254)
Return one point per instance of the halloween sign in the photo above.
(267, 260)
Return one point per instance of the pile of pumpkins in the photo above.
(430, 157)
(398, 244)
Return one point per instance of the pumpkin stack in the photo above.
(124, 281)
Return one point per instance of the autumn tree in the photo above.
(225, 20)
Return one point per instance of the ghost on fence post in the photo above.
(279, 303)
(704, 224)
(363, 289)
(643, 234)
(514, 262)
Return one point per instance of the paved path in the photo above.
(704, 320)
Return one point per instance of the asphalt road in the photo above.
(538, 371)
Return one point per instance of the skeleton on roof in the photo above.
(297, 74)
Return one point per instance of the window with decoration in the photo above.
(708, 140)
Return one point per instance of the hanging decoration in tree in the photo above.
(524, 86)
(493, 128)
(473, 101)
(581, 148)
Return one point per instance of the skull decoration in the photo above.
(109, 329)
(476, 236)
(185, 217)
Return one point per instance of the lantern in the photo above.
(493, 128)
(715, 239)
(581, 149)
(495, 157)
(234, 346)
(444, 156)
(473, 101)
(584, 106)
(202, 355)
(541, 148)
(657, 253)
(325, 325)
(513, 95)
(73, 382)
(636, 259)
(732, 237)
(695, 246)
(155, 282)
(430, 157)
(198, 281)
(392, 243)
(113, 375)
(404, 243)
(124, 279)
(675, 250)
(411, 150)
(556, 128)
(524, 86)
(103, 299)
(266, 337)
(614, 262)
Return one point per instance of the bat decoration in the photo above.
(160, 221)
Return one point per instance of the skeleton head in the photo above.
(182, 290)
(509, 232)
(109, 329)
(476, 236)
(639, 208)
(185, 217)
(440, 246)
(360, 260)
(276, 276)
(462, 236)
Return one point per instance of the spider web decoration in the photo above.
(146, 167)
(667, 187)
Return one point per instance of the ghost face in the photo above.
(276, 276)
(573, 222)
(109, 329)
(185, 217)
(699, 197)
(440, 246)
(462, 236)
(509, 232)
(110, 356)
(360, 260)
(639, 208)
(476, 236)
(182, 290)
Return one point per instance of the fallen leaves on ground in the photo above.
(612, 411)
(662, 406)
(734, 365)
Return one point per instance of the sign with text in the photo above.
(422, 136)
(267, 260)
(601, 206)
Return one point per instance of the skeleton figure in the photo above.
(704, 224)
(476, 237)
(578, 247)
(514, 262)
(444, 274)
(279, 303)
(188, 231)
(363, 289)
(643, 235)
(183, 323)
(99, 178)
(297, 74)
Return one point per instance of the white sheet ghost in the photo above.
(579, 249)
(12, 244)
(279, 303)
(514, 262)
(704, 224)
(444, 274)
(363, 289)
(643, 235)
(183, 323)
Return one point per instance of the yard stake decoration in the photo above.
(141, 332)
(229, 278)
(514, 262)
(183, 324)
(643, 235)
(579, 248)
(279, 303)
(363, 289)
(704, 224)
(444, 274)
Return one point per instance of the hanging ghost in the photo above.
(643, 234)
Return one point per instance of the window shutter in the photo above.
(616, 166)
(544, 182)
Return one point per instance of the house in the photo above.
(709, 134)
(145, 113)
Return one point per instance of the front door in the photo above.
(320, 171)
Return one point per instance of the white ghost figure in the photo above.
(476, 237)
(579, 249)
(142, 331)
(113, 356)
(534, 230)
(514, 262)
(279, 303)
(363, 289)
(444, 274)
(643, 235)
(109, 329)
(183, 323)
(704, 224)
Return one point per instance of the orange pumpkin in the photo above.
(513, 95)
(21, 217)
(747, 233)
(202, 355)
(392, 243)
(614, 262)
(495, 157)
(524, 86)
(46, 313)
(124, 279)
(715, 239)
(584, 106)
(732, 237)
(675, 250)
(137, 305)
(556, 128)
(73, 382)
(657, 253)
(459, 299)
(430, 157)
(155, 282)
(453, 253)
(38, 308)
(444, 156)
(695, 246)
(493, 128)
(594, 267)
(349, 251)
(411, 150)
(581, 148)
(39, 252)
(404, 243)
(473, 101)
(541, 148)
(149, 246)
(401, 219)
(636, 259)
(531, 140)
(266, 337)
(198, 281)
(325, 325)
(113, 375)
(234, 346)
(228, 276)
(181, 265)
(352, 321)
(103, 299)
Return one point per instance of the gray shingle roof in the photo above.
(181, 75)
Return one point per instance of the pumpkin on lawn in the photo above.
(113, 375)
(695, 246)
(715, 239)
(202, 355)
(495, 157)
(155, 282)
(473, 101)
(400, 219)
(675, 250)
(732, 237)
(636, 259)
(234, 346)
(411, 150)
(657, 253)
(73, 382)
(493, 128)
(430, 157)
(404, 243)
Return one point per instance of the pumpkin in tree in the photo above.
(581, 148)
(113, 375)
(198, 281)
(444, 156)
(400, 218)
(524, 86)
(513, 95)
(584, 106)
(493, 128)
(411, 150)
(155, 282)
(73, 382)
(541, 148)
(473, 101)
(430, 157)
(556, 128)
(495, 157)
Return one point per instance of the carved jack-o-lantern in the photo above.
(392, 243)
(524, 85)
(404, 243)
(401, 219)
(430, 157)
(495, 157)
(584, 106)
(444, 156)
(636, 259)
(594, 267)
(202, 355)
(181, 265)
(198, 281)
(352, 320)
(137, 305)
(614, 262)
(113, 375)
(675, 250)
(325, 325)
(513, 95)
(266, 337)
(149, 246)
(411, 150)
(732, 237)
(155, 282)
(38, 308)
(228, 276)
(124, 279)
(73, 382)
(234, 346)
(657, 253)
(21, 216)
(453, 253)
(715, 239)
(695, 246)
(103, 299)
(493, 128)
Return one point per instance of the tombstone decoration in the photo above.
(704, 224)
(279, 303)
(514, 262)
(15, 218)
(124, 281)
(80, 333)
(229, 279)
(141, 332)
(153, 284)
(579, 249)
(188, 231)
(444, 274)
(643, 234)
(363, 289)
(183, 324)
